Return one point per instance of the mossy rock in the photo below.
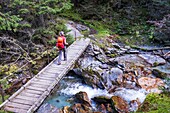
(156, 103)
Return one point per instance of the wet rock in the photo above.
(128, 60)
(130, 81)
(102, 99)
(134, 105)
(153, 60)
(162, 71)
(83, 98)
(112, 89)
(102, 108)
(65, 109)
(99, 54)
(127, 47)
(77, 71)
(92, 76)
(96, 48)
(110, 109)
(115, 77)
(167, 56)
(93, 81)
(132, 52)
(151, 84)
(79, 108)
(123, 49)
(135, 64)
(48, 108)
(103, 66)
(119, 104)
(116, 45)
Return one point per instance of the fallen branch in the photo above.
(147, 49)
(13, 42)
(9, 52)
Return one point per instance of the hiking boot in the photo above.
(59, 63)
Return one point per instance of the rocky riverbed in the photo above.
(124, 75)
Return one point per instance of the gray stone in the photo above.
(82, 27)
(77, 71)
(73, 31)
(162, 71)
(154, 60)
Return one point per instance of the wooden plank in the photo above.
(21, 101)
(26, 98)
(45, 78)
(15, 110)
(17, 105)
(52, 69)
(29, 94)
(39, 80)
(33, 91)
(36, 88)
(55, 65)
(49, 74)
(41, 83)
(39, 86)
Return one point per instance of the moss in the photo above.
(156, 103)
(112, 55)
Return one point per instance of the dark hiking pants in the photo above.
(60, 54)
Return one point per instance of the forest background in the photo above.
(28, 29)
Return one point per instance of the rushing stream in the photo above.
(69, 86)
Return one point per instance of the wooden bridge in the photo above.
(31, 95)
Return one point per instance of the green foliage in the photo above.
(9, 22)
(70, 39)
(101, 27)
(24, 11)
(73, 15)
(156, 103)
(52, 41)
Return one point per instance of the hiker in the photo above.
(61, 44)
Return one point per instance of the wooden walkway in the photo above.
(31, 95)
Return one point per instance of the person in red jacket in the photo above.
(61, 44)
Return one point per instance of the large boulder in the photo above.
(151, 84)
(114, 77)
(83, 98)
(120, 104)
(153, 60)
(79, 108)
